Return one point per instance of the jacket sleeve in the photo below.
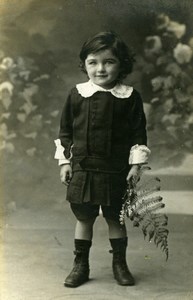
(65, 139)
(138, 121)
(139, 151)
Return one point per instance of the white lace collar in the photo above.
(87, 89)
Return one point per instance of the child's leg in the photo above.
(116, 230)
(85, 215)
(82, 242)
(80, 271)
(84, 229)
(118, 240)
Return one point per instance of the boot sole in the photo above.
(125, 284)
(71, 285)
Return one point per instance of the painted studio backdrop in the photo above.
(39, 47)
(40, 42)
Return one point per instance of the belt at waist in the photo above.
(97, 164)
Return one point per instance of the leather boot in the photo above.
(120, 269)
(80, 271)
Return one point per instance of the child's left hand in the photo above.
(133, 175)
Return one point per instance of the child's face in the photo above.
(103, 68)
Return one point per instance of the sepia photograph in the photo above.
(96, 149)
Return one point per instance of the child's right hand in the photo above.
(66, 174)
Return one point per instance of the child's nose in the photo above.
(101, 67)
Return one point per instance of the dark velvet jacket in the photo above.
(100, 130)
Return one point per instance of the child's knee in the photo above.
(87, 222)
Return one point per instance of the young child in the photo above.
(101, 145)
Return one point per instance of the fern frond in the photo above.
(150, 208)
(142, 211)
(146, 192)
(136, 196)
(144, 203)
(145, 206)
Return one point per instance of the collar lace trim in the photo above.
(87, 89)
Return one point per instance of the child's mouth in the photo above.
(101, 76)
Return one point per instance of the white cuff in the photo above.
(139, 154)
(59, 154)
(63, 161)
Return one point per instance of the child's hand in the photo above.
(133, 175)
(66, 174)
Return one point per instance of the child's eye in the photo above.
(92, 63)
(110, 62)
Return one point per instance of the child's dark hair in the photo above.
(108, 40)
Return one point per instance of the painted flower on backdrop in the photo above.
(162, 82)
(30, 91)
(4, 132)
(176, 28)
(173, 69)
(6, 91)
(183, 53)
(7, 63)
(6, 85)
(153, 45)
(157, 83)
(164, 23)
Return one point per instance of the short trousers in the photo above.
(86, 211)
(97, 188)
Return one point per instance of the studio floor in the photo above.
(37, 254)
